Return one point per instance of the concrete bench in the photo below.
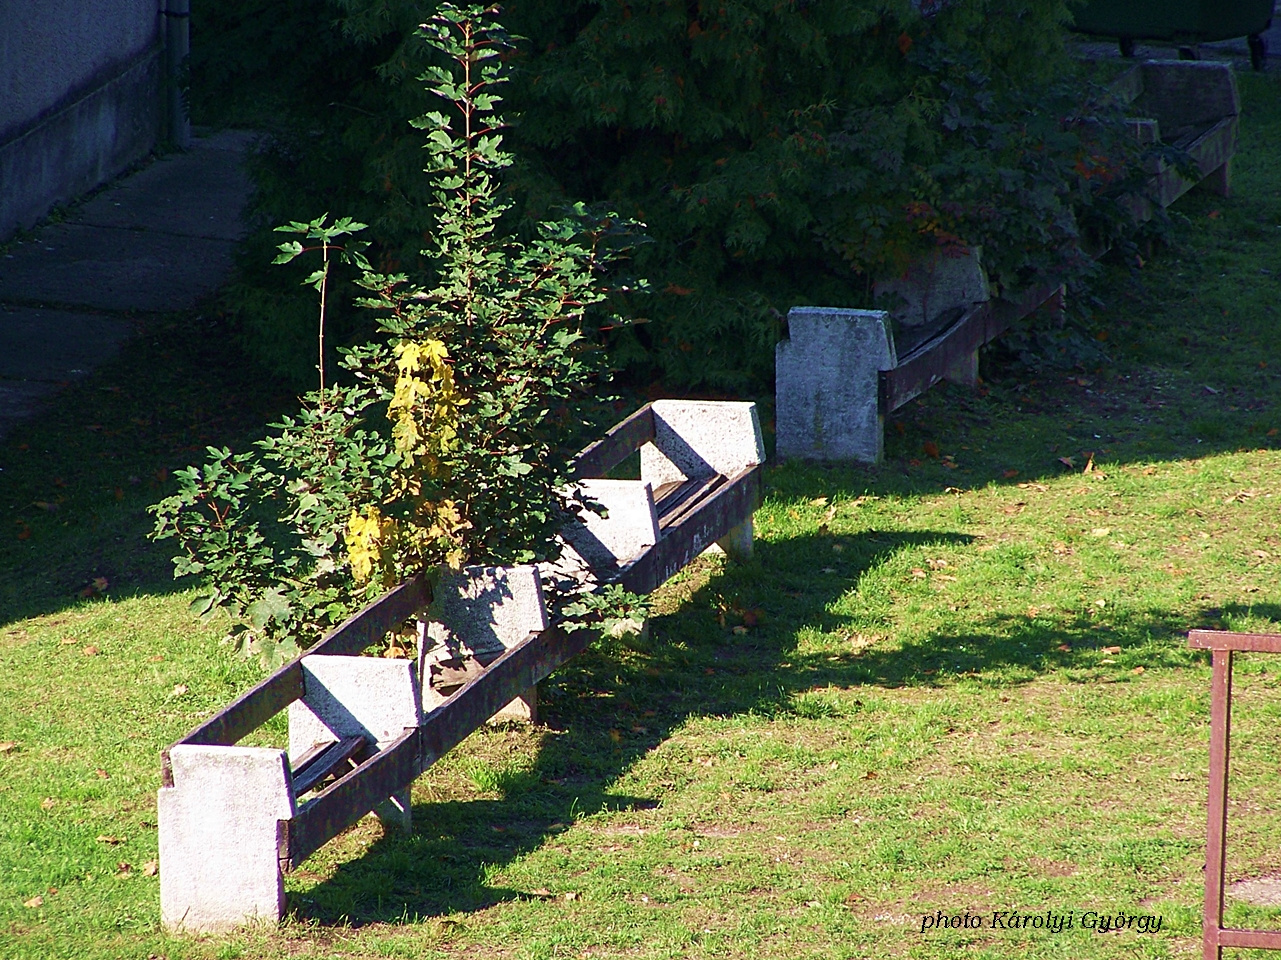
(234, 820)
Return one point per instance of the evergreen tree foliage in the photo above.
(781, 151)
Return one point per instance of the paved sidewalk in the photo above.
(157, 241)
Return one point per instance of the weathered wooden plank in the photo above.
(370, 624)
(1209, 151)
(673, 500)
(680, 543)
(1228, 640)
(518, 669)
(248, 711)
(321, 761)
(1258, 939)
(691, 501)
(622, 440)
(344, 802)
(929, 363)
(258, 704)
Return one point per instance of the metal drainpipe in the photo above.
(177, 15)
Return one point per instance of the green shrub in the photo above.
(450, 439)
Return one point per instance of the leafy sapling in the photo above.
(351, 253)
(450, 441)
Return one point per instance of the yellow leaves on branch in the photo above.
(424, 408)
(424, 411)
(441, 525)
(369, 545)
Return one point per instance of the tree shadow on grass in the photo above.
(617, 702)
(76, 480)
(605, 710)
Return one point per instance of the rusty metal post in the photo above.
(1215, 848)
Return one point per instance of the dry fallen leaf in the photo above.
(1065, 648)
(90, 651)
(34, 902)
(48, 803)
(918, 573)
(1100, 531)
(571, 896)
(70, 640)
(930, 449)
(1010, 474)
(819, 502)
(123, 868)
(541, 892)
(178, 690)
(1111, 649)
(739, 631)
(110, 841)
(8, 746)
(1137, 670)
(102, 774)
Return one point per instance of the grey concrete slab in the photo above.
(197, 193)
(159, 240)
(55, 346)
(107, 268)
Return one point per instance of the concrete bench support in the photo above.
(220, 837)
(827, 384)
(357, 696)
(479, 612)
(696, 439)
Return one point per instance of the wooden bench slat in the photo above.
(619, 443)
(261, 702)
(322, 760)
(694, 531)
(687, 499)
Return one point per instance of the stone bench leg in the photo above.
(358, 697)
(827, 384)
(220, 837)
(483, 610)
(694, 439)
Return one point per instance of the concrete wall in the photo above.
(80, 98)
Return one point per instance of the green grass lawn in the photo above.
(956, 682)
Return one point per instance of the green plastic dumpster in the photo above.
(1178, 21)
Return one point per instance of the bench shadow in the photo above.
(605, 710)
(616, 702)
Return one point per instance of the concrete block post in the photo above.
(942, 282)
(701, 438)
(357, 696)
(935, 284)
(629, 526)
(220, 837)
(827, 384)
(480, 612)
